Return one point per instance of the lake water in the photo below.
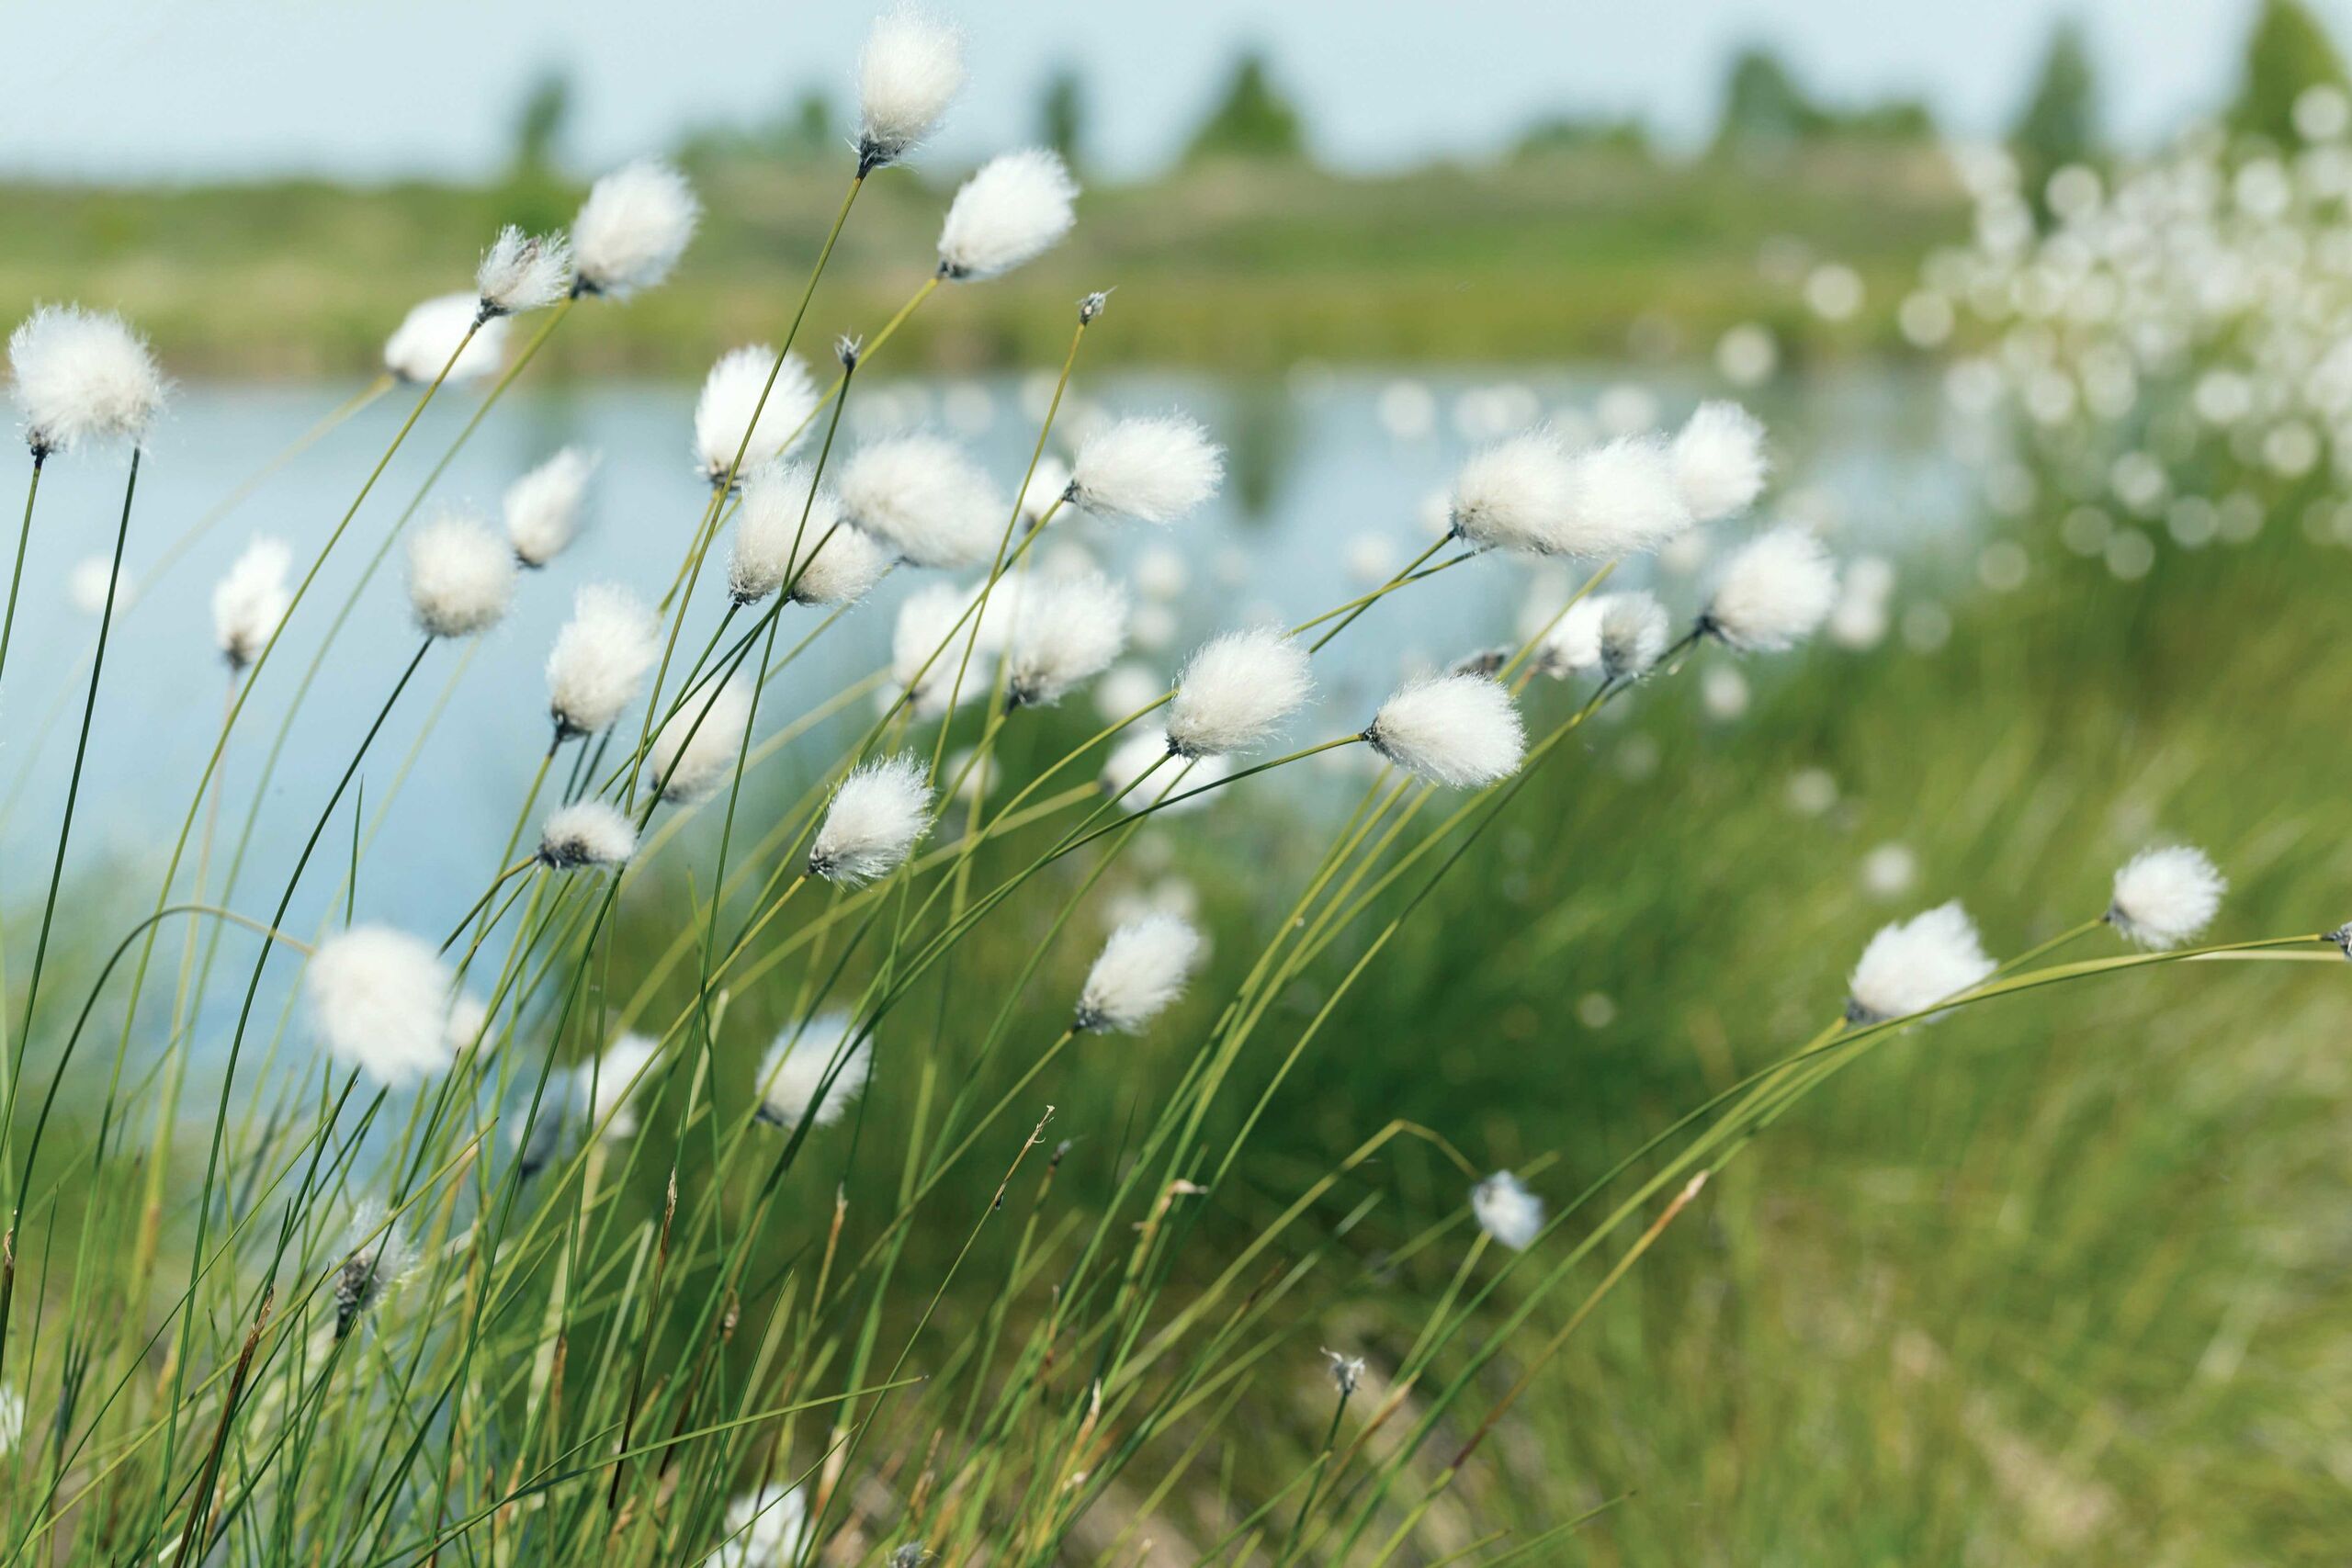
(1332, 478)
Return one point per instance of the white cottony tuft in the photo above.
(1142, 969)
(1910, 965)
(926, 498)
(632, 229)
(695, 749)
(1626, 500)
(1153, 470)
(91, 578)
(1140, 770)
(877, 815)
(1046, 488)
(586, 832)
(1064, 630)
(838, 564)
(522, 272)
(765, 1527)
(380, 999)
(919, 665)
(1014, 209)
(812, 1074)
(1633, 633)
(613, 1078)
(1234, 691)
(1506, 1210)
(2167, 897)
(724, 411)
(421, 345)
(600, 659)
(251, 599)
(1573, 645)
(81, 376)
(1515, 495)
(1458, 730)
(543, 507)
(1774, 592)
(461, 576)
(913, 66)
(1719, 463)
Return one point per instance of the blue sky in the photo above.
(134, 89)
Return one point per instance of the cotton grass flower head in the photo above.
(367, 1277)
(1634, 634)
(1910, 965)
(1573, 645)
(542, 508)
(420, 347)
(924, 498)
(586, 833)
(882, 809)
(89, 580)
(1141, 970)
(729, 393)
(2167, 897)
(1152, 470)
(12, 1420)
(837, 564)
(1236, 691)
(1139, 773)
(695, 749)
(1627, 499)
(250, 602)
(1064, 630)
(1012, 210)
(924, 662)
(379, 1000)
(612, 1080)
(766, 1529)
(1507, 1211)
(522, 272)
(632, 229)
(1456, 730)
(1514, 495)
(1719, 464)
(1047, 488)
(1774, 592)
(81, 376)
(461, 576)
(811, 1073)
(600, 659)
(912, 68)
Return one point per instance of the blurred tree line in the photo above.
(1767, 112)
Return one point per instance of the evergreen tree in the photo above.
(1251, 118)
(1764, 109)
(1062, 115)
(2059, 122)
(539, 125)
(2288, 53)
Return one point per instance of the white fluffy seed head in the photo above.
(695, 749)
(379, 998)
(1012, 210)
(542, 508)
(1910, 965)
(766, 1526)
(724, 411)
(600, 659)
(522, 272)
(806, 1076)
(1507, 1211)
(1064, 630)
(251, 599)
(2167, 897)
(81, 376)
(912, 68)
(1633, 633)
(1153, 470)
(1774, 592)
(1140, 772)
(421, 345)
(837, 565)
(1514, 495)
(1457, 730)
(461, 576)
(919, 665)
(612, 1079)
(1719, 464)
(1141, 970)
(1573, 645)
(586, 832)
(1627, 502)
(1234, 691)
(1048, 486)
(632, 229)
(926, 498)
(877, 815)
